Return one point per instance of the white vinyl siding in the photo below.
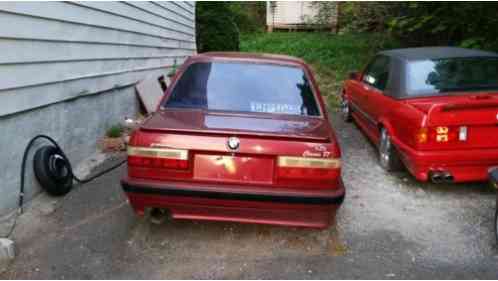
(55, 51)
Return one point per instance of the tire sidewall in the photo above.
(387, 147)
(346, 110)
(496, 224)
(42, 173)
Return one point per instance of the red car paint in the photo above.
(252, 183)
(405, 118)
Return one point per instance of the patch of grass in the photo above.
(332, 56)
(115, 131)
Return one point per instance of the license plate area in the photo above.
(234, 169)
(483, 136)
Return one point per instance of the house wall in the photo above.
(68, 70)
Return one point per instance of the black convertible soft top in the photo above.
(436, 53)
(399, 58)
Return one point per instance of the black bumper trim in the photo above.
(132, 188)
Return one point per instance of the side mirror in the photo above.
(354, 75)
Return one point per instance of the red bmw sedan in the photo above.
(238, 137)
(433, 109)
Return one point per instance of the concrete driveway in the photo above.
(388, 227)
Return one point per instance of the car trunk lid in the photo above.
(222, 123)
(475, 114)
(263, 138)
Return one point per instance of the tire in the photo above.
(346, 110)
(388, 156)
(56, 182)
(496, 224)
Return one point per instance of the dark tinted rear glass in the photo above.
(244, 87)
(377, 73)
(455, 74)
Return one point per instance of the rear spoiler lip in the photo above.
(434, 112)
(471, 105)
(237, 133)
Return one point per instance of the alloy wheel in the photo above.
(345, 110)
(385, 146)
(496, 225)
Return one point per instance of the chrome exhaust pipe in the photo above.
(447, 177)
(441, 177)
(158, 216)
(437, 177)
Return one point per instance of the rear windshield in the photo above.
(454, 74)
(244, 87)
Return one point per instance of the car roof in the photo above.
(436, 53)
(400, 58)
(243, 56)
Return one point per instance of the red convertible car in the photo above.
(433, 109)
(238, 137)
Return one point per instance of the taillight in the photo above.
(422, 136)
(308, 168)
(441, 135)
(159, 158)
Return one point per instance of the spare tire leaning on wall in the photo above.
(216, 29)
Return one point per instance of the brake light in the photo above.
(441, 135)
(159, 158)
(308, 168)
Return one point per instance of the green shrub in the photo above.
(216, 28)
(361, 17)
(249, 16)
(466, 24)
(115, 131)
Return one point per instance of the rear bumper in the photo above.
(463, 165)
(239, 204)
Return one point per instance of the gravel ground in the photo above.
(389, 226)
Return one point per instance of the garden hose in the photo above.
(58, 163)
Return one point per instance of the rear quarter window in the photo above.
(377, 73)
(244, 87)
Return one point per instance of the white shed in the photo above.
(293, 15)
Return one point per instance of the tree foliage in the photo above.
(448, 23)
(325, 12)
(427, 23)
(219, 24)
(367, 16)
(216, 29)
(250, 16)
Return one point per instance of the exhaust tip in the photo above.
(158, 216)
(436, 178)
(448, 177)
(441, 177)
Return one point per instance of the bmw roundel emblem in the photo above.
(233, 143)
